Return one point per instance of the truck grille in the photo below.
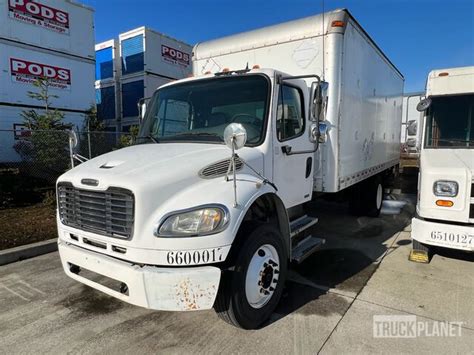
(109, 212)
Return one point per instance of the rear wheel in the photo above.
(374, 196)
(249, 294)
(366, 197)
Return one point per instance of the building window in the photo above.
(104, 64)
(105, 101)
(131, 94)
(290, 117)
(132, 55)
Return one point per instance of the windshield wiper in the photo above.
(454, 140)
(196, 134)
(150, 137)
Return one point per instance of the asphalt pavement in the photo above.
(328, 306)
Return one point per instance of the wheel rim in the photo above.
(262, 276)
(379, 196)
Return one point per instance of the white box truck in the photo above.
(445, 206)
(206, 209)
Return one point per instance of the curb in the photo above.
(12, 255)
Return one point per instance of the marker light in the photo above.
(444, 203)
(208, 72)
(225, 70)
(443, 74)
(256, 66)
(337, 24)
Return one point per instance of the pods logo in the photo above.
(34, 13)
(26, 72)
(174, 56)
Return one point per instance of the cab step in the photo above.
(305, 248)
(301, 224)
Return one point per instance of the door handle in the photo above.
(286, 149)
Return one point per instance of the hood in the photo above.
(447, 159)
(139, 166)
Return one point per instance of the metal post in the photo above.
(234, 172)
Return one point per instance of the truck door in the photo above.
(293, 150)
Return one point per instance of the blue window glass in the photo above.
(104, 64)
(132, 55)
(131, 94)
(105, 101)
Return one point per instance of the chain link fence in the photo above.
(33, 160)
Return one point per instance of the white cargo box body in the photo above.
(59, 25)
(365, 89)
(72, 79)
(135, 87)
(12, 129)
(161, 54)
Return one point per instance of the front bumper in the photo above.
(159, 288)
(442, 234)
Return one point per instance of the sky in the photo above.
(417, 35)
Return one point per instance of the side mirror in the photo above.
(318, 100)
(142, 104)
(235, 136)
(412, 128)
(73, 139)
(314, 133)
(423, 105)
(411, 142)
(323, 131)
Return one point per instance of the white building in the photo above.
(44, 38)
(131, 68)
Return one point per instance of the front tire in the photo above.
(249, 294)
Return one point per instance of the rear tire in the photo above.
(249, 294)
(366, 197)
(374, 196)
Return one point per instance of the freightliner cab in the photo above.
(206, 209)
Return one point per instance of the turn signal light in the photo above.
(337, 24)
(444, 203)
(225, 70)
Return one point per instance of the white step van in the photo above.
(445, 206)
(206, 209)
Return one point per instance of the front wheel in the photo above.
(249, 294)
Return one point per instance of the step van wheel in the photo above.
(249, 294)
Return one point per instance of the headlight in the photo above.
(445, 188)
(202, 220)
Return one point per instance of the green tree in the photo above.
(47, 147)
(128, 139)
(93, 141)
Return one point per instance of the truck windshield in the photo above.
(449, 122)
(199, 111)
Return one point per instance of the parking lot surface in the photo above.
(328, 306)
